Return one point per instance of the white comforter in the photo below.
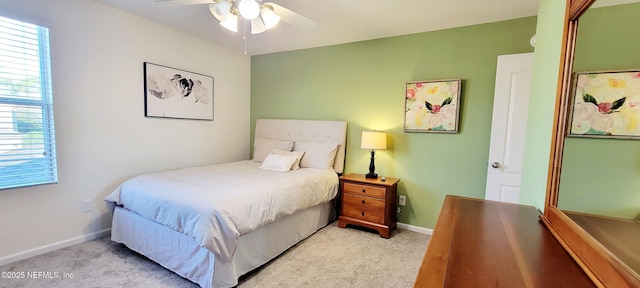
(218, 203)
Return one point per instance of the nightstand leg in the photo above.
(385, 233)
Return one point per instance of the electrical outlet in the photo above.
(85, 206)
(402, 200)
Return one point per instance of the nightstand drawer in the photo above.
(375, 216)
(362, 202)
(365, 190)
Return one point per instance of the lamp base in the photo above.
(371, 175)
(372, 167)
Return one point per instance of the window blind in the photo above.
(27, 136)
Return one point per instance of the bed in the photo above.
(213, 224)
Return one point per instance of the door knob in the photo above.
(495, 165)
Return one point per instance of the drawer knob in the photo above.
(362, 213)
(362, 201)
(364, 191)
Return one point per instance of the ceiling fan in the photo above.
(262, 15)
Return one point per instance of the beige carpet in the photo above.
(332, 257)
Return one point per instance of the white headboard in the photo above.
(308, 131)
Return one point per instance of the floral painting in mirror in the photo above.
(606, 104)
(432, 106)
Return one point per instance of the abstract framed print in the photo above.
(174, 93)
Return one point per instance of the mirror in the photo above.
(600, 180)
(594, 191)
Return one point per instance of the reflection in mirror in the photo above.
(600, 180)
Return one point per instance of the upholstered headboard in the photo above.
(307, 131)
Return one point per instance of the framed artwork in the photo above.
(605, 105)
(174, 93)
(432, 106)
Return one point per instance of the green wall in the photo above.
(602, 176)
(551, 17)
(363, 83)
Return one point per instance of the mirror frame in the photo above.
(604, 268)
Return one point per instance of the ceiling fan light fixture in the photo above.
(231, 22)
(269, 17)
(220, 9)
(257, 26)
(249, 9)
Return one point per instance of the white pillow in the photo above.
(298, 154)
(263, 146)
(317, 155)
(277, 162)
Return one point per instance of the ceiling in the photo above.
(339, 21)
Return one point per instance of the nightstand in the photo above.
(369, 203)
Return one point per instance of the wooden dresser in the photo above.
(368, 202)
(478, 243)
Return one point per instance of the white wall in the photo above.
(102, 135)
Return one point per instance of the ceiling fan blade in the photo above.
(181, 2)
(293, 18)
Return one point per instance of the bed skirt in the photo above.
(184, 256)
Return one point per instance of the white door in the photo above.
(508, 127)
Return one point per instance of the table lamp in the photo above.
(375, 141)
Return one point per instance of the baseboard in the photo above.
(52, 247)
(422, 230)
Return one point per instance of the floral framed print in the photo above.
(432, 106)
(174, 93)
(606, 105)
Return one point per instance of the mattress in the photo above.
(216, 204)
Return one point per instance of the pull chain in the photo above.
(244, 36)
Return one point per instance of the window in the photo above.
(27, 140)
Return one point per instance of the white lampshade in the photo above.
(249, 9)
(269, 17)
(220, 9)
(257, 26)
(231, 22)
(373, 140)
